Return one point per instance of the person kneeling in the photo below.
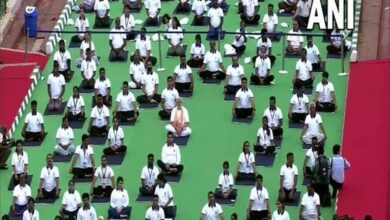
(120, 208)
(225, 183)
(105, 175)
(56, 89)
(65, 139)
(179, 120)
(265, 139)
(115, 140)
(170, 157)
(246, 168)
(244, 105)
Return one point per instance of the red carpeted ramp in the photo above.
(366, 142)
(12, 56)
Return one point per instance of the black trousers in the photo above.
(264, 149)
(163, 167)
(335, 50)
(246, 177)
(97, 132)
(267, 80)
(258, 215)
(35, 136)
(316, 67)
(49, 194)
(76, 117)
(82, 172)
(321, 189)
(327, 107)
(182, 86)
(183, 7)
(232, 90)
(298, 117)
(88, 84)
(255, 19)
(243, 112)
(165, 115)
(199, 20)
(102, 22)
(131, 35)
(169, 212)
(76, 39)
(125, 116)
(120, 150)
(307, 83)
(69, 215)
(302, 21)
(277, 132)
(239, 50)
(16, 182)
(100, 191)
(144, 99)
(219, 195)
(286, 7)
(66, 75)
(336, 186)
(145, 192)
(195, 63)
(287, 194)
(208, 74)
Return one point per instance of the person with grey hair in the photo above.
(313, 127)
(179, 123)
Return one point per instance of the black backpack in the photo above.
(323, 169)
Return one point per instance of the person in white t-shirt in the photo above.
(244, 104)
(299, 106)
(295, 42)
(116, 138)
(175, 40)
(71, 202)
(216, 15)
(212, 67)
(84, 155)
(313, 55)
(87, 211)
(102, 13)
(275, 117)
(149, 177)
(150, 82)
(183, 6)
(56, 89)
(165, 197)
(63, 58)
(168, 99)
(265, 139)
(136, 71)
(246, 168)
(240, 39)
(126, 109)
(199, 8)
(182, 75)
(117, 42)
(302, 13)
(119, 202)
(100, 119)
(259, 201)
(250, 13)
(20, 195)
(170, 161)
(212, 210)
(263, 65)
(155, 212)
(153, 8)
(197, 52)
(31, 213)
(82, 25)
(49, 186)
(337, 41)
(287, 6)
(103, 87)
(180, 120)
(288, 180)
(19, 163)
(264, 40)
(65, 139)
(33, 129)
(234, 75)
(86, 44)
(270, 22)
(310, 205)
(127, 22)
(88, 71)
(143, 47)
(225, 184)
(325, 97)
(313, 127)
(280, 213)
(106, 177)
(303, 72)
(76, 106)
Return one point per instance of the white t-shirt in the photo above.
(212, 212)
(149, 175)
(216, 15)
(117, 38)
(273, 116)
(102, 86)
(49, 177)
(325, 92)
(169, 96)
(304, 69)
(153, 6)
(89, 214)
(288, 176)
(259, 198)
(155, 214)
(61, 59)
(212, 61)
(226, 181)
(84, 157)
(101, 7)
(56, 83)
(235, 74)
(171, 154)
(299, 103)
(312, 156)
(241, 38)
(246, 161)
(127, 23)
(197, 51)
(250, 7)
(199, 6)
(34, 122)
(281, 216)
(125, 101)
(71, 200)
(119, 198)
(164, 194)
(85, 45)
(65, 136)
(21, 194)
(182, 75)
(115, 136)
(19, 161)
(295, 40)
(244, 98)
(137, 70)
(312, 53)
(267, 44)
(305, 8)
(149, 81)
(310, 203)
(175, 38)
(313, 124)
(100, 115)
(75, 105)
(270, 22)
(264, 138)
(88, 68)
(82, 25)
(262, 66)
(104, 175)
(31, 216)
(143, 46)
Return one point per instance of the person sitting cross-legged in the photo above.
(288, 180)
(31, 212)
(55, 89)
(287, 6)
(246, 168)
(82, 25)
(197, 52)
(275, 118)
(250, 13)
(149, 83)
(149, 177)
(87, 211)
(49, 186)
(303, 72)
(75, 110)
(264, 40)
(325, 97)
(199, 7)
(19, 162)
(270, 22)
(299, 106)
(179, 122)
(244, 105)
(234, 75)
(168, 99)
(71, 202)
(119, 202)
(225, 182)
(65, 139)
(165, 197)
(310, 205)
(175, 40)
(182, 75)
(265, 139)
(263, 66)
(155, 212)
(20, 196)
(240, 39)
(106, 177)
(313, 127)
(102, 13)
(211, 210)
(143, 47)
(117, 42)
(88, 70)
(259, 201)
(302, 13)
(183, 6)
(126, 108)
(295, 42)
(34, 128)
(99, 123)
(63, 58)
(103, 88)
(84, 155)
(115, 140)
(170, 157)
(153, 8)
(212, 67)
(313, 54)
(337, 42)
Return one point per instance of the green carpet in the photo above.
(215, 138)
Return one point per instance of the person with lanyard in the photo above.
(275, 118)
(31, 213)
(102, 13)
(170, 157)
(87, 43)
(126, 109)
(34, 128)
(197, 53)
(115, 140)
(19, 162)
(49, 186)
(280, 213)
(136, 71)
(303, 73)
(168, 99)
(148, 177)
(150, 82)
(154, 212)
(264, 40)
(88, 70)
(71, 202)
(313, 127)
(225, 183)
(82, 25)
(106, 177)
(325, 97)
(86, 212)
(117, 42)
(180, 120)
(165, 197)
(212, 67)
(234, 74)
(270, 23)
(182, 75)
(76, 106)
(313, 55)
(84, 154)
(143, 47)
(65, 139)
(310, 205)
(288, 180)
(21, 195)
(244, 104)
(246, 168)
(250, 13)
(63, 58)
(262, 75)
(127, 22)
(119, 202)
(100, 119)
(265, 139)
(259, 201)
(55, 89)
(240, 39)
(212, 210)
(299, 106)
